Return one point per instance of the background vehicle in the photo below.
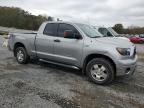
(79, 46)
(109, 32)
(135, 39)
(141, 36)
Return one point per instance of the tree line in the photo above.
(129, 30)
(21, 19)
(18, 18)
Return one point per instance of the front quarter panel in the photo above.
(94, 47)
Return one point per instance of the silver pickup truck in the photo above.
(78, 46)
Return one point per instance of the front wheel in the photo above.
(21, 55)
(100, 71)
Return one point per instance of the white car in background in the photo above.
(109, 32)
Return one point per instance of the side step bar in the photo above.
(60, 64)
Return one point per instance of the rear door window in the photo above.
(51, 29)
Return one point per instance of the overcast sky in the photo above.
(96, 12)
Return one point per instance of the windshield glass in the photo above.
(113, 32)
(89, 31)
(105, 32)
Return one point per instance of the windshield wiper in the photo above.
(96, 37)
(118, 35)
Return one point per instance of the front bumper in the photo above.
(126, 67)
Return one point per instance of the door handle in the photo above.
(57, 40)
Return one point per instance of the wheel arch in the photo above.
(16, 45)
(92, 56)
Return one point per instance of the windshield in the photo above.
(105, 32)
(113, 32)
(89, 31)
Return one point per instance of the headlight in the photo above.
(124, 51)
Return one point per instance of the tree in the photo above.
(18, 18)
(118, 28)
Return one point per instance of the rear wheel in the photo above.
(100, 71)
(21, 55)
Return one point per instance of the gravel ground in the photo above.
(140, 48)
(41, 85)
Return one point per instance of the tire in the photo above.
(100, 71)
(21, 55)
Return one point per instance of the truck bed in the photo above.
(27, 39)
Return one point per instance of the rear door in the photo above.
(45, 43)
(68, 51)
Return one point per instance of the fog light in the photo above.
(127, 71)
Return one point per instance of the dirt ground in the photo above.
(41, 85)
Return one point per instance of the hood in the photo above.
(115, 41)
(124, 38)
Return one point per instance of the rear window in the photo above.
(50, 29)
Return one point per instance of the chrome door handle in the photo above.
(57, 40)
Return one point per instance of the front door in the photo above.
(68, 51)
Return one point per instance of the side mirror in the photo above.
(77, 36)
(71, 35)
(68, 34)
